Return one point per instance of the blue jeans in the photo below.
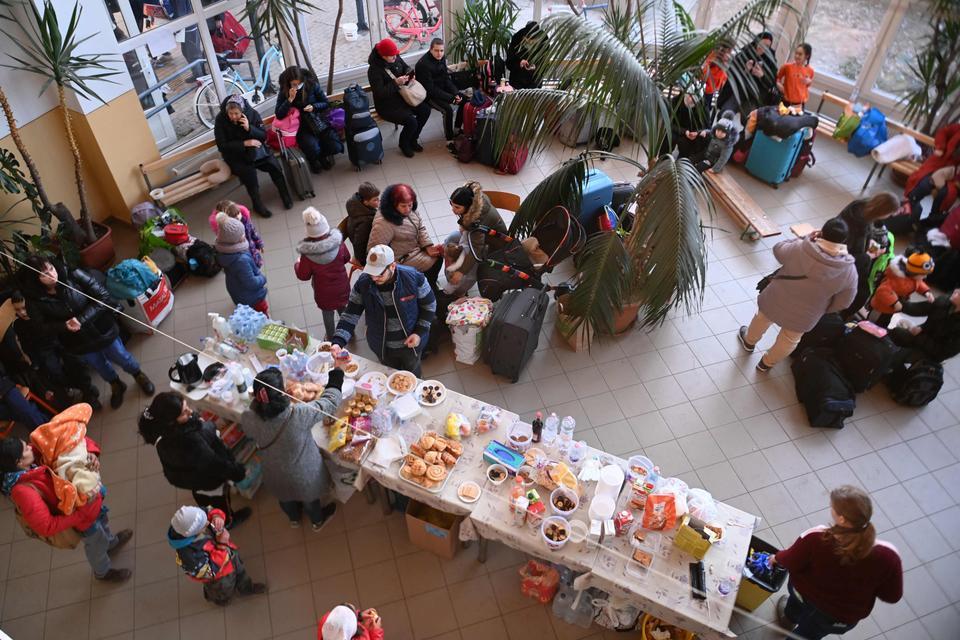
(13, 406)
(114, 352)
(97, 542)
(294, 510)
(812, 624)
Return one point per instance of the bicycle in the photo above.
(207, 102)
(407, 22)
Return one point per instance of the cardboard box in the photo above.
(433, 530)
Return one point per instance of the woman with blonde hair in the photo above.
(838, 572)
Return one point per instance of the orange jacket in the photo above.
(714, 77)
(895, 287)
(65, 432)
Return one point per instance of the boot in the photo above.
(258, 207)
(117, 389)
(116, 575)
(144, 383)
(315, 166)
(327, 162)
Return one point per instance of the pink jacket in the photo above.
(244, 213)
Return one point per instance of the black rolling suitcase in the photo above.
(864, 358)
(514, 331)
(365, 147)
(484, 138)
(296, 171)
(822, 389)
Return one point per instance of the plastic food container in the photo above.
(611, 480)
(555, 523)
(638, 467)
(571, 495)
(602, 507)
(578, 531)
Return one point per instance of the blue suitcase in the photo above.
(772, 161)
(597, 193)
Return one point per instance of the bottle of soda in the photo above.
(537, 426)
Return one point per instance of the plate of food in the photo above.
(430, 393)
(374, 383)
(401, 382)
(430, 461)
(469, 492)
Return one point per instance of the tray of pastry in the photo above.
(431, 461)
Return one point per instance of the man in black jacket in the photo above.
(442, 93)
(939, 337)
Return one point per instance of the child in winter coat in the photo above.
(241, 213)
(63, 441)
(245, 283)
(322, 258)
(722, 138)
(202, 543)
(343, 622)
(361, 208)
(903, 277)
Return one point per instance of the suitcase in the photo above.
(621, 193)
(772, 161)
(597, 193)
(805, 158)
(821, 387)
(483, 138)
(512, 158)
(915, 384)
(826, 333)
(514, 331)
(296, 172)
(365, 147)
(865, 359)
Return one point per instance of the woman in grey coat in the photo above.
(293, 468)
(818, 276)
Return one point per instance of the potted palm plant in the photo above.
(624, 71)
(46, 50)
(934, 98)
(482, 30)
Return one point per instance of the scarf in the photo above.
(10, 479)
(833, 248)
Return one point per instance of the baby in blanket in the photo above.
(62, 444)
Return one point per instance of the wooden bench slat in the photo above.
(739, 204)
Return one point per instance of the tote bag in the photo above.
(413, 93)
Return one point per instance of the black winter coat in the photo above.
(939, 336)
(230, 138)
(194, 458)
(435, 78)
(386, 94)
(359, 222)
(521, 78)
(309, 93)
(98, 325)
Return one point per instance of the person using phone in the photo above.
(524, 46)
(386, 74)
(442, 93)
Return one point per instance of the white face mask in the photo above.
(298, 86)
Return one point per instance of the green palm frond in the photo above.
(482, 30)
(563, 187)
(602, 284)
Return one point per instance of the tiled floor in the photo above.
(684, 394)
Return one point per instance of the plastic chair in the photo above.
(504, 200)
(7, 426)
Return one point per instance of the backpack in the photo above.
(916, 384)
(283, 131)
(67, 539)
(805, 158)
(129, 279)
(606, 139)
(871, 132)
(203, 259)
(827, 332)
(229, 38)
(463, 148)
(865, 359)
(142, 212)
(826, 395)
(355, 100)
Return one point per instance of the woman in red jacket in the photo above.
(838, 572)
(323, 257)
(29, 483)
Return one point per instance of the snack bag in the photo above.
(338, 435)
(539, 580)
(660, 511)
(458, 426)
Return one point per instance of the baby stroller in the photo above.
(559, 235)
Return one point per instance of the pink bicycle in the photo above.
(407, 21)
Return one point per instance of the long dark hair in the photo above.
(269, 401)
(294, 72)
(157, 419)
(854, 541)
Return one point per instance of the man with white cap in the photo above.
(343, 623)
(205, 553)
(400, 307)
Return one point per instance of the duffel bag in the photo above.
(826, 395)
(864, 358)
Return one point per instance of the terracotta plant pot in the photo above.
(100, 254)
(625, 319)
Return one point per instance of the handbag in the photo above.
(413, 93)
(767, 279)
(66, 539)
(315, 123)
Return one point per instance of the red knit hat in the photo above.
(387, 47)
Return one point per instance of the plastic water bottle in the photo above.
(567, 426)
(551, 427)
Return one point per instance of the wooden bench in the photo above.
(165, 174)
(827, 126)
(741, 206)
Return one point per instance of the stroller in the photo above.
(559, 235)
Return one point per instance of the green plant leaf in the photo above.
(606, 270)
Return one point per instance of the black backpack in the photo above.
(606, 139)
(828, 331)
(822, 388)
(355, 100)
(916, 384)
(865, 359)
(202, 259)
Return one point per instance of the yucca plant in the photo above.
(936, 70)
(623, 73)
(482, 30)
(50, 52)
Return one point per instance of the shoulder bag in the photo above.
(280, 431)
(67, 539)
(413, 93)
(767, 279)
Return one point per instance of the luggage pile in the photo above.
(363, 137)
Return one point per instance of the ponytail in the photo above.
(853, 541)
(157, 419)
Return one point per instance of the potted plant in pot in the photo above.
(482, 31)
(627, 72)
(48, 51)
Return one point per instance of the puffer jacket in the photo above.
(245, 283)
(482, 212)
(406, 235)
(386, 94)
(435, 78)
(194, 458)
(830, 285)
(98, 326)
(322, 261)
(201, 557)
(309, 93)
(939, 336)
(359, 223)
(230, 138)
(896, 286)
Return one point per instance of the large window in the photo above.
(895, 77)
(843, 35)
(354, 41)
(723, 10)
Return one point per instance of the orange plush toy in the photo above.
(903, 277)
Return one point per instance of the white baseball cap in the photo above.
(341, 624)
(378, 259)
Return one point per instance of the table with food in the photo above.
(627, 528)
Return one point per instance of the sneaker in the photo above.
(294, 524)
(327, 514)
(145, 383)
(123, 537)
(785, 623)
(763, 367)
(116, 575)
(742, 336)
(239, 517)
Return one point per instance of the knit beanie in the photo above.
(387, 47)
(231, 236)
(462, 196)
(189, 521)
(315, 222)
(341, 624)
(919, 264)
(11, 450)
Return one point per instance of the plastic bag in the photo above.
(616, 613)
(539, 580)
(338, 435)
(458, 426)
(702, 506)
(660, 511)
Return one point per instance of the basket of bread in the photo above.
(304, 391)
(430, 461)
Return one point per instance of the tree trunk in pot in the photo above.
(100, 253)
(86, 224)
